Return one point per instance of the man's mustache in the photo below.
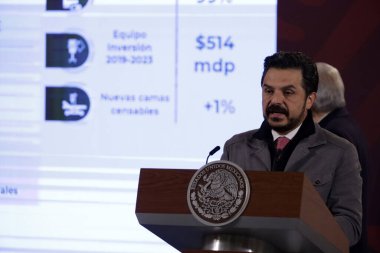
(275, 108)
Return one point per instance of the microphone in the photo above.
(213, 151)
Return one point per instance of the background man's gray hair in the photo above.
(330, 93)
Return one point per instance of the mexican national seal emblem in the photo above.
(218, 193)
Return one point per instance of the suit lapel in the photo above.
(260, 153)
(303, 151)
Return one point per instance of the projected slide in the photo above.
(92, 91)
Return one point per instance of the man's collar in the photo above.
(306, 128)
(318, 117)
(289, 135)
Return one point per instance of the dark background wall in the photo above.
(345, 34)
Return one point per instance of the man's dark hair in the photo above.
(294, 60)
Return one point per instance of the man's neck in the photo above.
(318, 116)
(289, 135)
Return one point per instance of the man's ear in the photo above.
(310, 100)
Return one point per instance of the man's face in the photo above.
(285, 103)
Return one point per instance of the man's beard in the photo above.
(292, 122)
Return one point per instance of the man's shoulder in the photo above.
(332, 139)
(340, 122)
(242, 137)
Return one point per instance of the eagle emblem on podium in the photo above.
(218, 193)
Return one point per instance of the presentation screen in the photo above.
(92, 91)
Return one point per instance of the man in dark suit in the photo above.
(329, 110)
(289, 85)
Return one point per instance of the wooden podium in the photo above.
(284, 210)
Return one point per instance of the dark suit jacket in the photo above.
(330, 162)
(342, 124)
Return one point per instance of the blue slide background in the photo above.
(92, 91)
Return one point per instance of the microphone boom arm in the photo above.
(213, 151)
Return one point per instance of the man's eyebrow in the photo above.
(285, 87)
(289, 86)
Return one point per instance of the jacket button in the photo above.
(317, 182)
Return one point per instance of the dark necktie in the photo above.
(281, 143)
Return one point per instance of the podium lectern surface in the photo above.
(284, 210)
